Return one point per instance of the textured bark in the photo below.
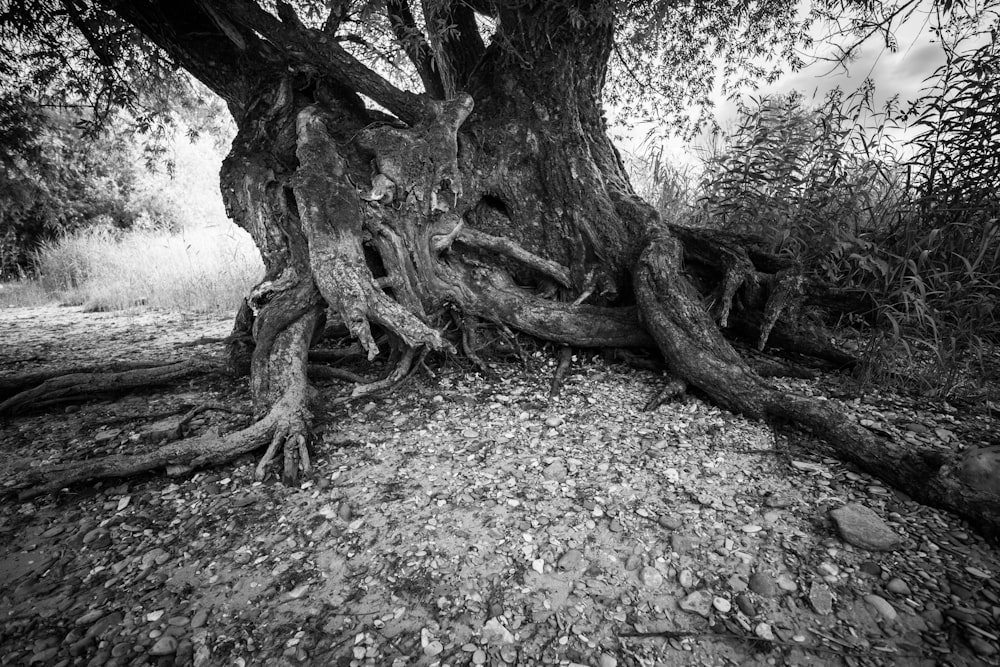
(506, 203)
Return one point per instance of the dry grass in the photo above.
(23, 293)
(199, 270)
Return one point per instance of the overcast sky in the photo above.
(901, 73)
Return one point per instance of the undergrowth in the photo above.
(201, 269)
(912, 229)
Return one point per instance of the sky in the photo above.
(903, 73)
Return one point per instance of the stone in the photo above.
(787, 583)
(934, 618)
(882, 606)
(651, 577)
(745, 605)
(863, 528)
(669, 521)
(570, 560)
(165, 645)
(871, 568)
(981, 646)
(607, 661)
(199, 618)
(555, 471)
(763, 584)
(721, 604)
(686, 579)
(699, 602)
(683, 543)
(821, 598)
(897, 586)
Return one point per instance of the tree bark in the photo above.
(506, 203)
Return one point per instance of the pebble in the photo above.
(699, 602)
(934, 618)
(721, 604)
(555, 471)
(570, 560)
(787, 583)
(763, 584)
(669, 521)
(882, 606)
(863, 528)
(199, 618)
(165, 645)
(686, 579)
(651, 577)
(479, 657)
(821, 598)
(897, 586)
(607, 661)
(871, 568)
(553, 422)
(683, 543)
(981, 646)
(745, 605)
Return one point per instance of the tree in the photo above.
(494, 194)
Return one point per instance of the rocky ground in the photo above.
(462, 521)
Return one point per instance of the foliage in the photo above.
(53, 178)
(915, 230)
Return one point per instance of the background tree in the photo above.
(492, 194)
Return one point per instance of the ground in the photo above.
(463, 521)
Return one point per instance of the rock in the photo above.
(555, 471)
(882, 606)
(43, 656)
(699, 602)
(981, 646)
(778, 501)
(897, 586)
(934, 618)
(570, 560)
(914, 427)
(433, 648)
(669, 521)
(821, 598)
(683, 543)
(165, 645)
(199, 618)
(787, 583)
(721, 605)
(650, 577)
(553, 422)
(494, 632)
(686, 579)
(980, 469)
(479, 657)
(745, 605)
(90, 617)
(871, 568)
(764, 631)
(737, 583)
(607, 661)
(763, 584)
(863, 528)
(102, 626)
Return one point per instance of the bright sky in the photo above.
(901, 73)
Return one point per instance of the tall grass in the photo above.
(201, 269)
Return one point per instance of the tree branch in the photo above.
(317, 51)
(411, 38)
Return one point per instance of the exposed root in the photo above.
(565, 358)
(398, 374)
(785, 296)
(83, 386)
(469, 344)
(482, 241)
(328, 373)
(15, 384)
(289, 438)
(672, 389)
(180, 430)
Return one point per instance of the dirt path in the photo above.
(464, 522)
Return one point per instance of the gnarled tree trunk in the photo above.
(497, 195)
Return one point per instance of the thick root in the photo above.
(695, 349)
(84, 386)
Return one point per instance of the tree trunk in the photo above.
(507, 203)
